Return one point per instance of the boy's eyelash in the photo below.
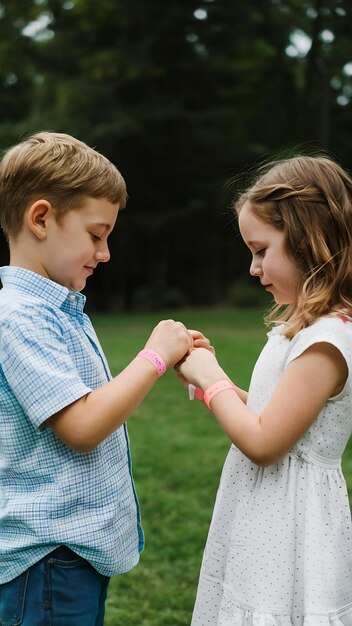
(95, 237)
(260, 252)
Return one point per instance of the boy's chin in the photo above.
(80, 287)
(76, 285)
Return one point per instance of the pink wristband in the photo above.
(154, 358)
(195, 392)
(216, 388)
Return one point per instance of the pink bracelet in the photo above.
(154, 358)
(195, 392)
(221, 385)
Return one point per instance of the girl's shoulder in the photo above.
(330, 324)
(338, 323)
(332, 329)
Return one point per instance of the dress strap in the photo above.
(344, 318)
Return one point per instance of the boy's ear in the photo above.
(38, 216)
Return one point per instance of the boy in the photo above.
(69, 515)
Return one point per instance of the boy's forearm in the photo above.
(87, 422)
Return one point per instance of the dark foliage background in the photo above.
(182, 96)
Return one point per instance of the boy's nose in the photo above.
(102, 256)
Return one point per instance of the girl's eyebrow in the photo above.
(254, 243)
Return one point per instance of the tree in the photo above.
(181, 96)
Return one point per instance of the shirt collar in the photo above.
(32, 283)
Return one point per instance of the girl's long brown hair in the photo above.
(310, 200)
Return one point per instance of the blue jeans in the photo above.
(62, 589)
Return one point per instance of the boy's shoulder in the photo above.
(18, 307)
(27, 295)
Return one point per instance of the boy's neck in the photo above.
(25, 255)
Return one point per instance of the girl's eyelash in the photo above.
(260, 252)
(95, 237)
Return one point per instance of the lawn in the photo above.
(178, 452)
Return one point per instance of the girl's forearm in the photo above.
(242, 394)
(242, 426)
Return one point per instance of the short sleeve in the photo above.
(37, 365)
(332, 330)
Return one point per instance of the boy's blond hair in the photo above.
(310, 200)
(58, 168)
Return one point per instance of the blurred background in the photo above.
(183, 96)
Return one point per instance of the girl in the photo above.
(279, 551)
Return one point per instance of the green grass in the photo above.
(178, 452)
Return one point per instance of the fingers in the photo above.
(204, 344)
(189, 333)
(200, 341)
(171, 340)
(196, 334)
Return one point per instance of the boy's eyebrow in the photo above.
(103, 224)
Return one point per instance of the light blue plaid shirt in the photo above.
(50, 495)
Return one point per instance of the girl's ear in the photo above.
(39, 213)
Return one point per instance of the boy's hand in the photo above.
(171, 340)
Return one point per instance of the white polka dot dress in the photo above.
(279, 550)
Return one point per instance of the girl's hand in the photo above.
(200, 341)
(184, 382)
(200, 367)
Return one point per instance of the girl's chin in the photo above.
(283, 301)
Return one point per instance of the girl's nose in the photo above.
(255, 268)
